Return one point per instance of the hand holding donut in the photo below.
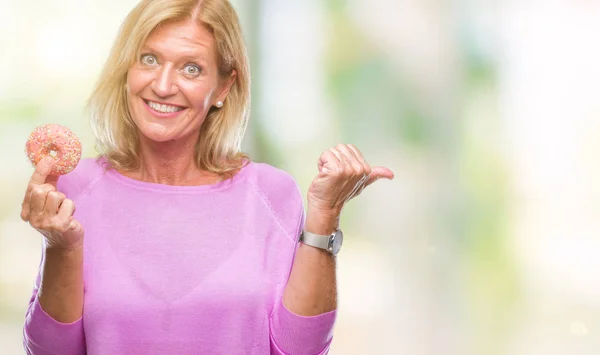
(343, 174)
(54, 151)
(48, 210)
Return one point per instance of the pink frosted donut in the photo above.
(58, 142)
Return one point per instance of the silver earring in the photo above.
(219, 104)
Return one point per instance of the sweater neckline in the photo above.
(125, 180)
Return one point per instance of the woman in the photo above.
(189, 247)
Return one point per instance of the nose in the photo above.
(164, 84)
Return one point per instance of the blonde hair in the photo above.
(219, 143)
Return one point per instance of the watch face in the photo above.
(336, 243)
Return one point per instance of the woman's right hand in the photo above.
(49, 211)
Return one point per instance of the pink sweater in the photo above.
(183, 269)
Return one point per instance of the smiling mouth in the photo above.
(162, 108)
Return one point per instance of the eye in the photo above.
(192, 69)
(148, 59)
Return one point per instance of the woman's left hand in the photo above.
(343, 174)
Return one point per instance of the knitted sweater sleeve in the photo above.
(290, 333)
(42, 334)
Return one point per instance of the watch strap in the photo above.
(315, 240)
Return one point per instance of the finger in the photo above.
(354, 171)
(356, 152)
(53, 202)
(75, 227)
(40, 176)
(349, 167)
(336, 153)
(360, 158)
(351, 158)
(66, 210)
(360, 169)
(38, 197)
(328, 162)
(64, 218)
(379, 172)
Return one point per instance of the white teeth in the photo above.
(163, 108)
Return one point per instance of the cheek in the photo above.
(199, 95)
(137, 80)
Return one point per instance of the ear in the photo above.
(226, 85)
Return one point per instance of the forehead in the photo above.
(185, 37)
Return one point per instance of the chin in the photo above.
(156, 132)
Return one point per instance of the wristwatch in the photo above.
(332, 243)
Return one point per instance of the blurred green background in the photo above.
(487, 241)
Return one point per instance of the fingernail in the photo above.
(47, 161)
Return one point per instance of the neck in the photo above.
(170, 163)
